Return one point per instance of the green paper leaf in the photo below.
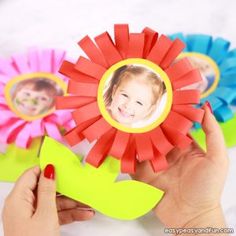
(16, 160)
(96, 187)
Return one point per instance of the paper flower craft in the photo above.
(217, 65)
(128, 96)
(29, 84)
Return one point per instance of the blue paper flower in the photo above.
(223, 95)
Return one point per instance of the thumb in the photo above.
(46, 197)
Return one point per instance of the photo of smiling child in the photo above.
(36, 96)
(135, 96)
(207, 73)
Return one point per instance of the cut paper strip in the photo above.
(160, 141)
(99, 151)
(89, 68)
(96, 187)
(160, 49)
(144, 147)
(192, 77)
(184, 124)
(108, 48)
(68, 69)
(179, 69)
(175, 49)
(223, 63)
(122, 38)
(150, 39)
(136, 45)
(16, 126)
(130, 147)
(72, 102)
(96, 130)
(129, 161)
(176, 138)
(85, 113)
(83, 89)
(159, 161)
(189, 112)
(186, 97)
(92, 51)
(120, 144)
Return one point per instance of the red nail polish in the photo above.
(209, 106)
(49, 172)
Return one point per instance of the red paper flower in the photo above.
(130, 147)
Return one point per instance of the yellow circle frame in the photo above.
(155, 68)
(23, 77)
(213, 65)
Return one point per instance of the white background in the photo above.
(62, 23)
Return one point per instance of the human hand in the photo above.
(194, 181)
(32, 208)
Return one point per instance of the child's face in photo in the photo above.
(203, 66)
(132, 101)
(31, 102)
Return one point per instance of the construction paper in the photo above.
(93, 122)
(119, 144)
(35, 66)
(136, 45)
(16, 160)
(90, 68)
(108, 48)
(217, 50)
(91, 50)
(150, 39)
(122, 38)
(97, 187)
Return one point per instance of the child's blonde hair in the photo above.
(125, 72)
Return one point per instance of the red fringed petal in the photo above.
(175, 49)
(129, 161)
(96, 130)
(178, 122)
(122, 38)
(160, 49)
(159, 161)
(91, 50)
(186, 97)
(176, 138)
(83, 89)
(99, 151)
(136, 46)
(179, 69)
(72, 102)
(144, 147)
(68, 69)
(108, 48)
(86, 112)
(90, 68)
(190, 78)
(160, 141)
(150, 39)
(75, 135)
(190, 112)
(120, 144)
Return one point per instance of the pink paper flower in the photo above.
(14, 125)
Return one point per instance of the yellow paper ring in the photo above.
(153, 67)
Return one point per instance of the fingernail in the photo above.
(49, 172)
(209, 106)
